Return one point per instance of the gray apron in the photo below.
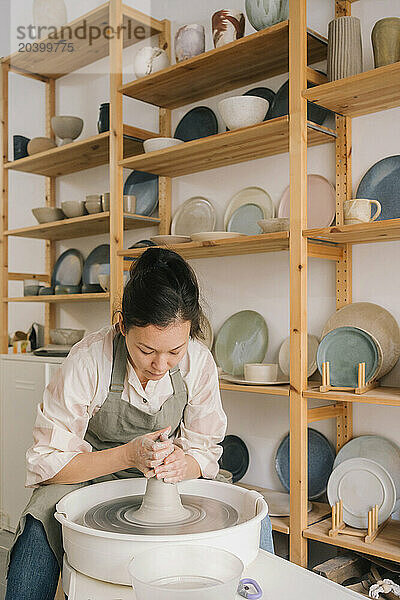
(116, 422)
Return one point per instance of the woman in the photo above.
(140, 398)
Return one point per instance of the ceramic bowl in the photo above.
(243, 111)
(48, 214)
(67, 128)
(31, 287)
(160, 143)
(73, 208)
(66, 337)
(40, 144)
(93, 204)
(260, 372)
(272, 225)
(130, 204)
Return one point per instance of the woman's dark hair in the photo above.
(162, 288)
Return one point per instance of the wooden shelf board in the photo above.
(369, 92)
(386, 545)
(257, 56)
(270, 390)
(57, 63)
(61, 298)
(222, 149)
(80, 155)
(80, 227)
(379, 231)
(381, 395)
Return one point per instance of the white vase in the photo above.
(265, 13)
(48, 13)
(344, 48)
(189, 41)
(150, 60)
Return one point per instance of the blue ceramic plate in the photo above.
(99, 256)
(344, 348)
(244, 219)
(280, 106)
(68, 269)
(321, 455)
(198, 123)
(243, 338)
(382, 182)
(145, 187)
(235, 457)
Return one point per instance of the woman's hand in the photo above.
(149, 451)
(175, 467)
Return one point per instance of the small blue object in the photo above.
(245, 589)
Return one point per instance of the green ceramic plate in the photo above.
(344, 348)
(243, 338)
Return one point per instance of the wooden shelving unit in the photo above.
(269, 390)
(386, 396)
(61, 298)
(369, 92)
(378, 231)
(223, 149)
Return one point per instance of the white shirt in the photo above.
(81, 385)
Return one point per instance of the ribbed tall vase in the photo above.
(344, 48)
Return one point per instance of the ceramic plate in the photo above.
(377, 448)
(235, 457)
(99, 256)
(145, 187)
(198, 123)
(165, 240)
(245, 220)
(362, 483)
(345, 348)
(284, 355)
(243, 338)
(195, 215)
(321, 455)
(208, 236)
(279, 503)
(262, 92)
(241, 381)
(68, 269)
(321, 202)
(255, 197)
(280, 106)
(382, 182)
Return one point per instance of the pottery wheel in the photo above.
(118, 516)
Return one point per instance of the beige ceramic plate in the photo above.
(165, 240)
(284, 355)
(250, 195)
(242, 381)
(196, 214)
(205, 236)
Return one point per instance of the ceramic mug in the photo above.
(260, 372)
(227, 26)
(359, 211)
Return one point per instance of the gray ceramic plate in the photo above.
(99, 256)
(344, 348)
(145, 187)
(255, 196)
(321, 455)
(195, 215)
(382, 182)
(68, 269)
(244, 220)
(243, 338)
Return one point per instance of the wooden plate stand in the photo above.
(369, 535)
(360, 389)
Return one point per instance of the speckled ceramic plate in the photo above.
(241, 381)
(195, 215)
(382, 182)
(284, 355)
(243, 338)
(145, 187)
(246, 208)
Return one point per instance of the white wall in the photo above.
(259, 282)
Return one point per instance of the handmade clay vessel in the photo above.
(103, 122)
(385, 38)
(150, 60)
(40, 144)
(359, 211)
(161, 504)
(264, 13)
(48, 13)
(227, 26)
(20, 144)
(344, 48)
(67, 128)
(189, 41)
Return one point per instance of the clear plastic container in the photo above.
(184, 572)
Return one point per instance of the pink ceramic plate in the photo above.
(321, 202)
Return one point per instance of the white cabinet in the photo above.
(22, 383)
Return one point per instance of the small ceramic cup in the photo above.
(260, 372)
(130, 204)
(105, 201)
(358, 210)
(93, 203)
(227, 26)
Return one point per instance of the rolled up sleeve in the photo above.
(204, 423)
(62, 419)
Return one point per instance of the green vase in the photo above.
(264, 13)
(386, 41)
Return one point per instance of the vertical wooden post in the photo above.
(344, 423)
(165, 183)
(116, 155)
(4, 211)
(50, 255)
(298, 280)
